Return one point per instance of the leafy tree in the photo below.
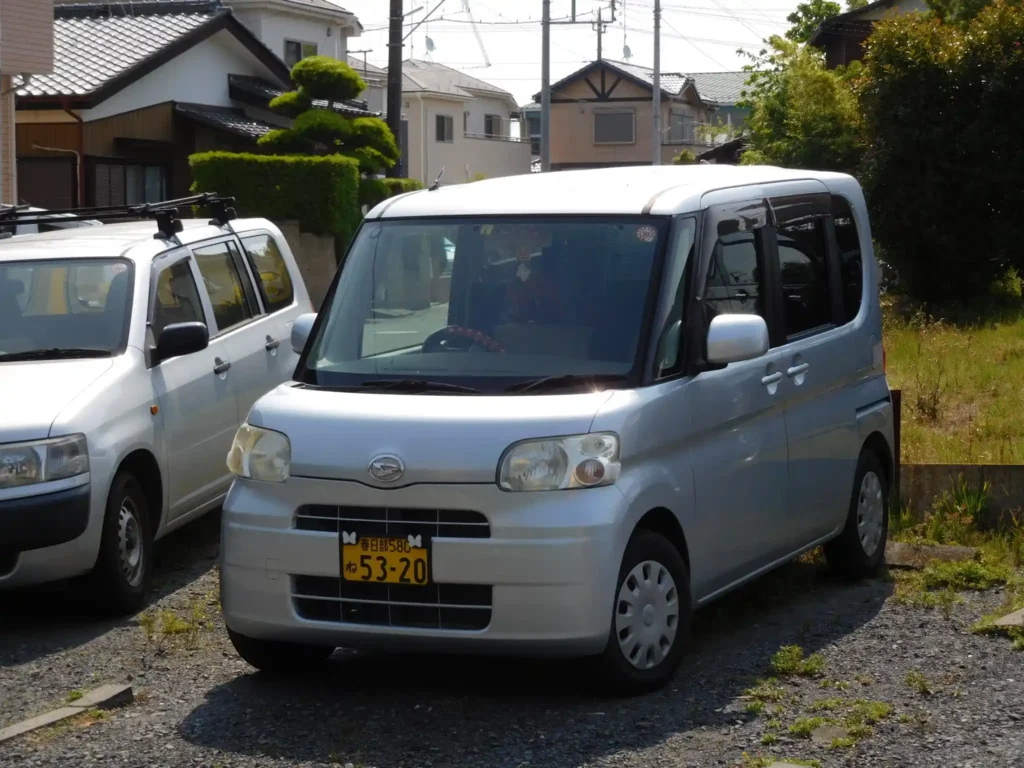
(942, 105)
(685, 157)
(320, 130)
(853, 5)
(808, 17)
(802, 115)
(955, 11)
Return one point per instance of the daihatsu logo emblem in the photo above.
(387, 469)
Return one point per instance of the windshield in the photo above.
(77, 305)
(489, 303)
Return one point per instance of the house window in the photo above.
(119, 183)
(492, 125)
(295, 51)
(465, 122)
(444, 126)
(614, 126)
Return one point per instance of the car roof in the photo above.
(132, 240)
(628, 190)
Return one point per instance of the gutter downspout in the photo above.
(423, 139)
(78, 163)
(81, 151)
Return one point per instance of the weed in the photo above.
(870, 711)
(789, 660)
(766, 690)
(167, 625)
(755, 707)
(769, 738)
(955, 513)
(75, 696)
(864, 679)
(917, 681)
(859, 731)
(826, 705)
(805, 725)
(841, 685)
(843, 743)
(962, 576)
(904, 718)
(774, 723)
(759, 761)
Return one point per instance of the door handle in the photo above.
(771, 378)
(272, 343)
(796, 370)
(222, 366)
(741, 295)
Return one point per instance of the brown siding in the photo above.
(153, 123)
(26, 36)
(8, 176)
(55, 135)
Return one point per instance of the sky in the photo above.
(697, 35)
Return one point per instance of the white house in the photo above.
(295, 29)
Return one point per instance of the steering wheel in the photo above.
(459, 339)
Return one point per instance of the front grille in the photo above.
(432, 606)
(393, 521)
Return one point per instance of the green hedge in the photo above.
(374, 191)
(322, 193)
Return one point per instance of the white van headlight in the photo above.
(42, 461)
(260, 454)
(554, 464)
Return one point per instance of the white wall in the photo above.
(198, 75)
(274, 27)
(483, 105)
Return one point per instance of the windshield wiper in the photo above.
(417, 385)
(570, 380)
(54, 353)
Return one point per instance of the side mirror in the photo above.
(179, 339)
(300, 331)
(733, 338)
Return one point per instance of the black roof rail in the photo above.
(165, 213)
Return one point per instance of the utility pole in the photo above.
(545, 87)
(363, 51)
(599, 25)
(656, 117)
(395, 80)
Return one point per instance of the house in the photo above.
(529, 126)
(296, 29)
(26, 49)
(455, 122)
(376, 94)
(601, 114)
(842, 37)
(136, 88)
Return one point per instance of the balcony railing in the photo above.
(495, 137)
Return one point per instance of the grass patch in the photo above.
(964, 576)
(180, 629)
(789, 661)
(774, 723)
(826, 705)
(805, 725)
(74, 696)
(766, 691)
(871, 712)
(844, 742)
(769, 739)
(755, 707)
(918, 682)
(763, 761)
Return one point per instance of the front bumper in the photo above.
(549, 566)
(35, 522)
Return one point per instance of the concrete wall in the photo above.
(315, 257)
(921, 484)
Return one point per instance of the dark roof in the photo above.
(259, 93)
(101, 48)
(226, 119)
(723, 88)
(712, 87)
(848, 22)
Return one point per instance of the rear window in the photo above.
(269, 265)
(850, 261)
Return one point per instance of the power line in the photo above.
(695, 46)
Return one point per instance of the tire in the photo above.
(280, 658)
(123, 574)
(859, 551)
(649, 555)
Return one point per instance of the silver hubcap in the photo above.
(129, 540)
(870, 513)
(647, 615)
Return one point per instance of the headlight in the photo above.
(42, 461)
(582, 461)
(260, 454)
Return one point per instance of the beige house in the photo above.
(459, 123)
(26, 49)
(601, 115)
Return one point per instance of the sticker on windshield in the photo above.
(117, 269)
(646, 234)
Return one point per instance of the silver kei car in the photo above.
(633, 391)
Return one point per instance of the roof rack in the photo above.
(165, 213)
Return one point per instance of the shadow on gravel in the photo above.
(55, 617)
(376, 710)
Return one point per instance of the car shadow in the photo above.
(54, 617)
(375, 709)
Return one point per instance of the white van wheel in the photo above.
(859, 551)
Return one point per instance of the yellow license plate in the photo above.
(382, 560)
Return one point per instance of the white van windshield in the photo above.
(489, 304)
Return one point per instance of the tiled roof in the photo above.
(93, 46)
(372, 71)
(671, 82)
(261, 90)
(429, 76)
(226, 119)
(720, 87)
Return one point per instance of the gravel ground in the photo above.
(199, 705)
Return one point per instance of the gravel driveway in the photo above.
(199, 705)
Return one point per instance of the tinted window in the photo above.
(269, 266)
(804, 271)
(177, 298)
(613, 127)
(734, 277)
(678, 270)
(852, 276)
(224, 285)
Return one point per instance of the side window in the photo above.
(803, 262)
(681, 264)
(177, 298)
(224, 284)
(734, 276)
(850, 263)
(271, 271)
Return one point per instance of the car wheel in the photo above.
(650, 619)
(280, 658)
(123, 573)
(859, 550)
